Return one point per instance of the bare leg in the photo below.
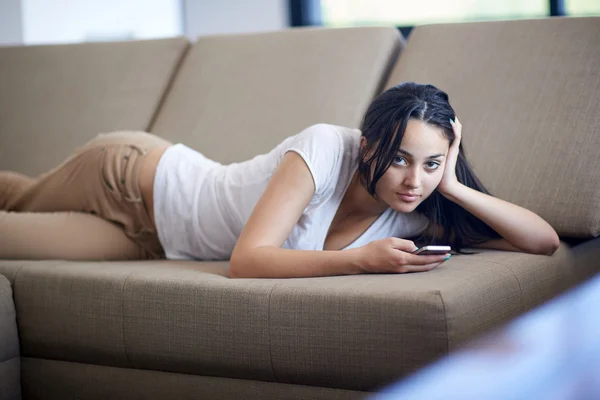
(66, 236)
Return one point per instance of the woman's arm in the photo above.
(521, 228)
(258, 252)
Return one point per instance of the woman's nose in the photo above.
(412, 178)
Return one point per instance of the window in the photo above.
(410, 12)
(407, 13)
(582, 7)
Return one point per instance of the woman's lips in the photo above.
(409, 198)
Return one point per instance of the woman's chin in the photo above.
(405, 207)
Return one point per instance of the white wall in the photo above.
(69, 21)
(208, 17)
(10, 22)
(72, 21)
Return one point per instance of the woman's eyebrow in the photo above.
(406, 153)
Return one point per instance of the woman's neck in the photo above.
(357, 201)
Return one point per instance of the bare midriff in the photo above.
(146, 178)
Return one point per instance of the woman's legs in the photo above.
(99, 179)
(64, 235)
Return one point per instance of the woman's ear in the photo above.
(363, 143)
(363, 148)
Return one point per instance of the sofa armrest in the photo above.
(10, 381)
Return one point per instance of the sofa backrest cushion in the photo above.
(53, 98)
(528, 95)
(237, 96)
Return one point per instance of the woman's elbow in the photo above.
(235, 269)
(549, 245)
(233, 273)
(554, 245)
(240, 266)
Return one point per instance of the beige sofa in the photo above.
(526, 92)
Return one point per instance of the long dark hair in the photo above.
(383, 127)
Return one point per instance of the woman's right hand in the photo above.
(393, 255)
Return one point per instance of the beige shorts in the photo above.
(101, 178)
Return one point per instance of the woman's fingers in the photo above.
(457, 127)
(402, 244)
(413, 259)
(422, 268)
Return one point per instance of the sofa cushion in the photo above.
(587, 259)
(351, 332)
(54, 98)
(10, 381)
(51, 379)
(237, 96)
(527, 95)
(184, 317)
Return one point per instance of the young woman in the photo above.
(327, 201)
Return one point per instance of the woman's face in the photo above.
(417, 169)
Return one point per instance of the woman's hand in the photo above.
(392, 255)
(449, 181)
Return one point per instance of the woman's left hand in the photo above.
(449, 181)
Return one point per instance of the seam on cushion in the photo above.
(168, 88)
(14, 296)
(17, 354)
(269, 334)
(123, 320)
(385, 72)
(14, 291)
(520, 288)
(10, 359)
(518, 282)
(445, 321)
(12, 284)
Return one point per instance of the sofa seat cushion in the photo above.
(50, 380)
(350, 332)
(587, 259)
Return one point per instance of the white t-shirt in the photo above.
(201, 206)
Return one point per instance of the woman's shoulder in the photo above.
(329, 136)
(330, 129)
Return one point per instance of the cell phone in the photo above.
(432, 250)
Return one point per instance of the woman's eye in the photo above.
(432, 165)
(399, 160)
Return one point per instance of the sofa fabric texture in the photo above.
(527, 94)
(59, 380)
(10, 362)
(55, 98)
(350, 332)
(237, 96)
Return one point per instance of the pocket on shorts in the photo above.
(107, 171)
(119, 171)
